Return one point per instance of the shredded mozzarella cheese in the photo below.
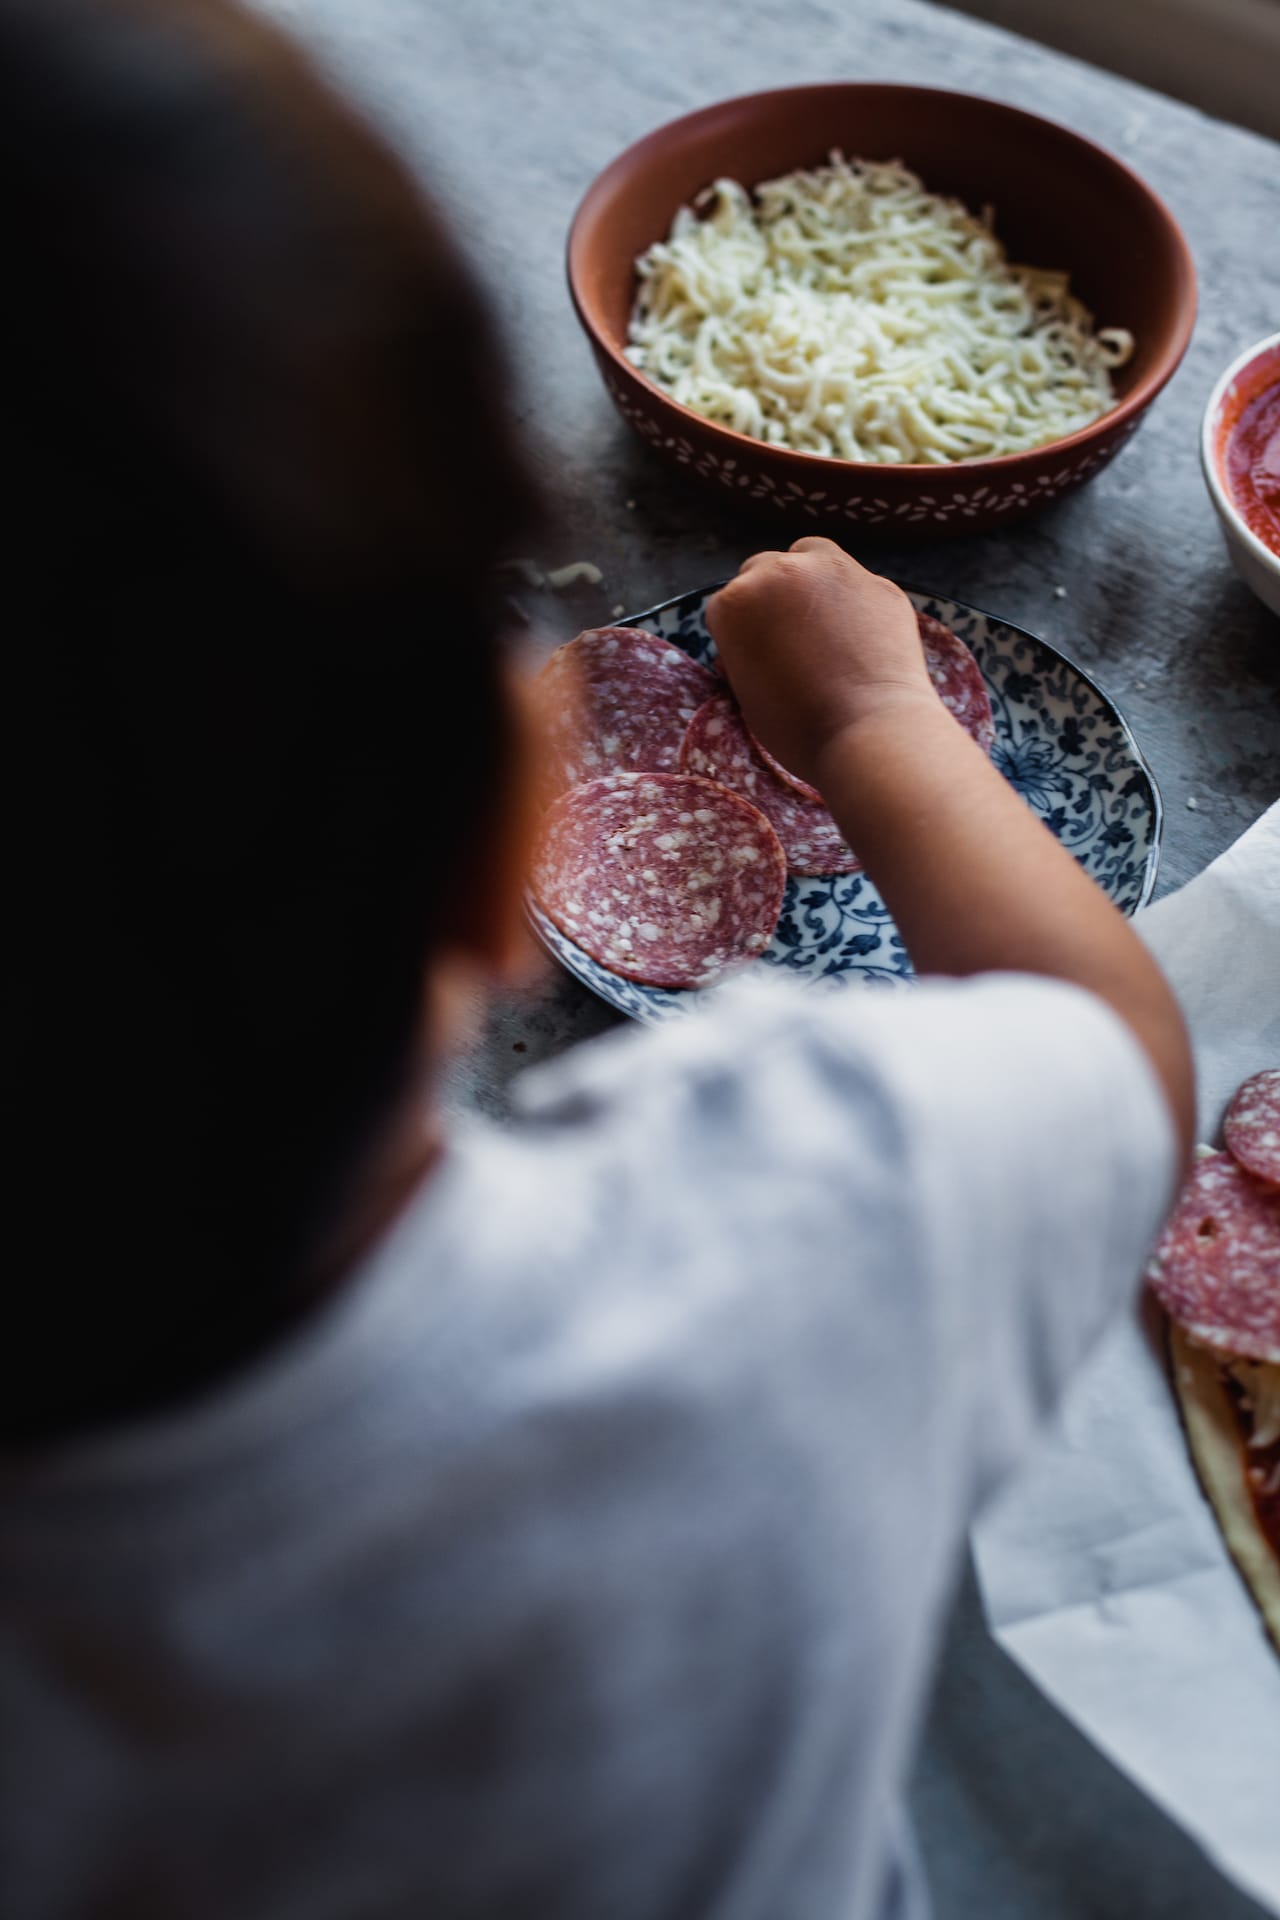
(848, 312)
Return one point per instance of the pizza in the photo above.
(1216, 1272)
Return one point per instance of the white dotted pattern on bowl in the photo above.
(949, 503)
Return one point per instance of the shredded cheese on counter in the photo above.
(847, 311)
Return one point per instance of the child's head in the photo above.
(255, 418)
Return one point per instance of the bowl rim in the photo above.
(1126, 410)
(1226, 507)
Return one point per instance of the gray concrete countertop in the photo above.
(508, 111)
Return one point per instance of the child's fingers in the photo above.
(754, 561)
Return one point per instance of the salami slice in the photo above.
(719, 746)
(615, 700)
(791, 780)
(666, 878)
(958, 679)
(1216, 1267)
(1252, 1125)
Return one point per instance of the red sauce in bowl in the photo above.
(1249, 447)
(1251, 466)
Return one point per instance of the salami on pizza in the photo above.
(1216, 1272)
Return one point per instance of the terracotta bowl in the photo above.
(1256, 369)
(1060, 201)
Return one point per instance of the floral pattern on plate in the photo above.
(1059, 741)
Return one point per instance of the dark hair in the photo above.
(255, 414)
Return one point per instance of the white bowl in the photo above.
(1254, 561)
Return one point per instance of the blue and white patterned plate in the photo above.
(1059, 740)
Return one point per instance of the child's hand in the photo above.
(812, 644)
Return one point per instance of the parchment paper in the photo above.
(1102, 1569)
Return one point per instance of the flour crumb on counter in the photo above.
(569, 576)
(530, 574)
(1192, 803)
(1059, 593)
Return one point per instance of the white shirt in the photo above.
(584, 1559)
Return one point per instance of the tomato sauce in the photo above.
(1251, 466)
(1264, 1472)
(1249, 448)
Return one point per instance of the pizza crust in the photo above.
(1213, 1434)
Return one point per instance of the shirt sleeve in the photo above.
(1038, 1152)
(960, 1180)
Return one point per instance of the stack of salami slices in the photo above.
(669, 831)
(1216, 1272)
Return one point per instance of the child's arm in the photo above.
(826, 661)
